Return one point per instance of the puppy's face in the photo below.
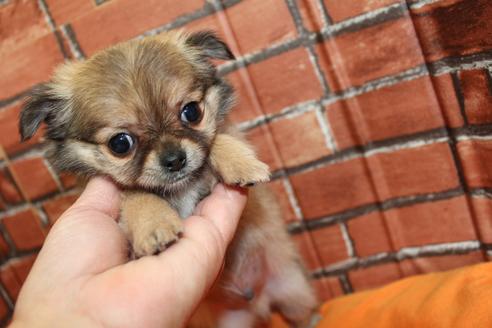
(143, 112)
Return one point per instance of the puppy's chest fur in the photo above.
(185, 201)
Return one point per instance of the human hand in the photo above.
(82, 277)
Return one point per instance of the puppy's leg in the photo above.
(149, 221)
(292, 295)
(236, 162)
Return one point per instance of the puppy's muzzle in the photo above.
(173, 160)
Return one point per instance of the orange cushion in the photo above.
(458, 298)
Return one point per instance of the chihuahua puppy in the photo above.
(151, 115)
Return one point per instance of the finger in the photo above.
(86, 238)
(223, 207)
(100, 195)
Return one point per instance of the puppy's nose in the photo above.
(174, 160)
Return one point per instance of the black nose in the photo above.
(174, 160)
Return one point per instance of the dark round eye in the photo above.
(121, 143)
(191, 113)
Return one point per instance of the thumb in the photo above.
(100, 195)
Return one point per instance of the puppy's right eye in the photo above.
(121, 143)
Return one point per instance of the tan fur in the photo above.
(149, 222)
(236, 161)
(140, 88)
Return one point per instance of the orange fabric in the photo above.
(458, 298)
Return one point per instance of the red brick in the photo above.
(477, 91)
(341, 10)
(333, 188)
(4, 310)
(22, 266)
(20, 22)
(255, 31)
(475, 156)
(247, 106)
(374, 276)
(25, 66)
(439, 263)
(33, 177)
(65, 11)
(285, 80)
(399, 114)
(121, 20)
(9, 281)
(210, 22)
(470, 31)
(262, 140)
(8, 190)
(327, 288)
(4, 247)
(25, 230)
(329, 244)
(369, 234)
(482, 208)
(56, 206)
(431, 223)
(282, 197)
(374, 52)
(9, 131)
(342, 124)
(307, 250)
(446, 96)
(299, 139)
(68, 180)
(414, 171)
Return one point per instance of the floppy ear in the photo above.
(210, 44)
(38, 107)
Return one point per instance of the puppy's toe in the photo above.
(156, 239)
(256, 173)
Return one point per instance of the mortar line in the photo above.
(6, 297)
(52, 26)
(326, 129)
(294, 203)
(417, 4)
(304, 34)
(347, 239)
(459, 96)
(208, 9)
(325, 15)
(73, 44)
(404, 253)
(372, 18)
(345, 283)
(385, 205)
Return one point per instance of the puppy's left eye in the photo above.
(191, 113)
(121, 144)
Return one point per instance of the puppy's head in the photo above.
(144, 112)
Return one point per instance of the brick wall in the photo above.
(375, 116)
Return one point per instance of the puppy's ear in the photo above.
(210, 45)
(38, 107)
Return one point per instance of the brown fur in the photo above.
(139, 88)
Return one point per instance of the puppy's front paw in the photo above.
(155, 235)
(236, 162)
(247, 174)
